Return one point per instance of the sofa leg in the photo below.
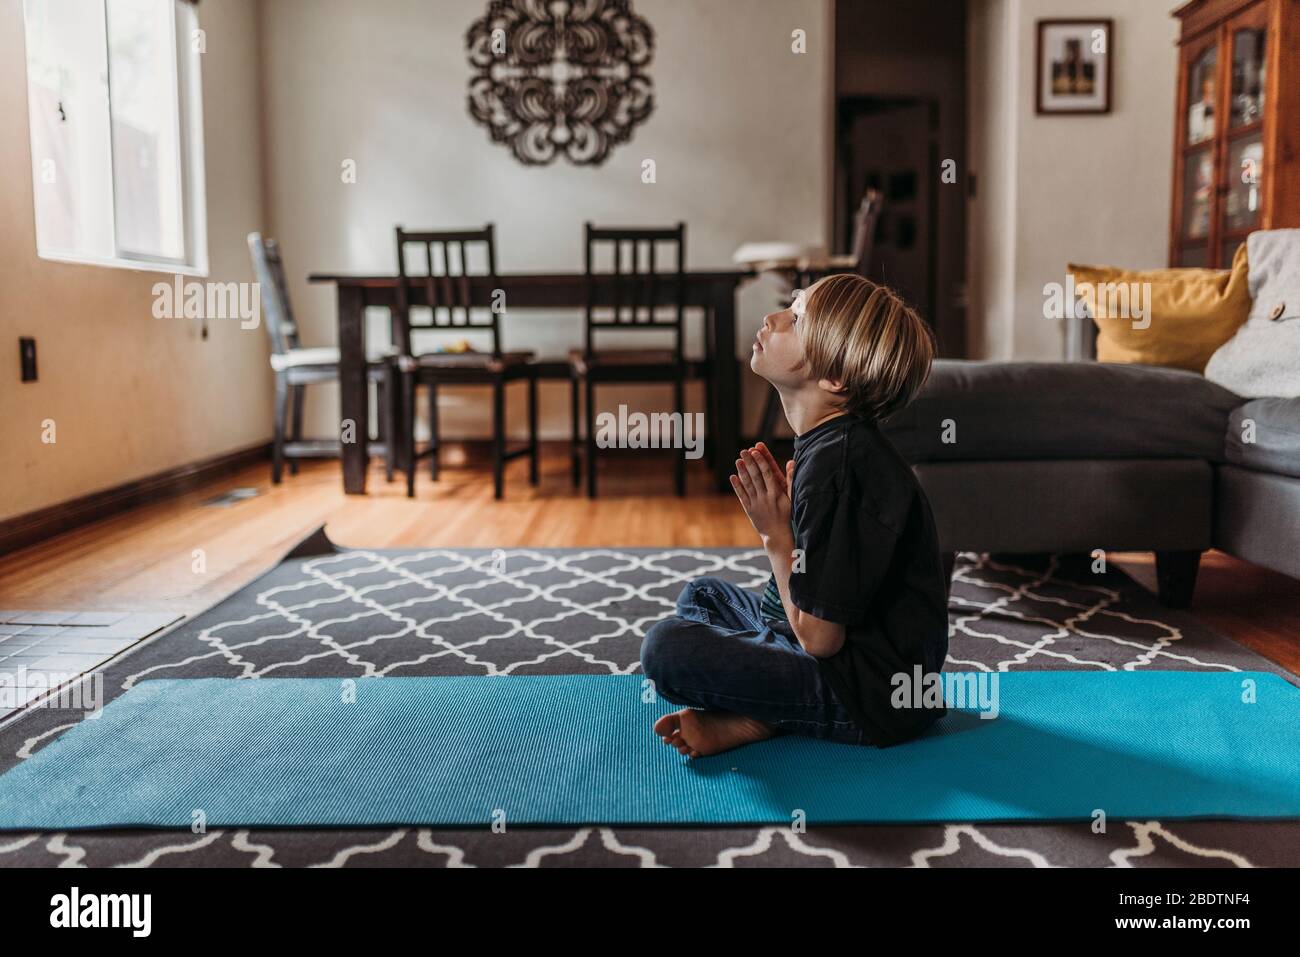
(1176, 577)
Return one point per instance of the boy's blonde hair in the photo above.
(863, 335)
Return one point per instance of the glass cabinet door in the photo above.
(1244, 173)
(1245, 177)
(1202, 86)
(1224, 180)
(1198, 195)
(1248, 73)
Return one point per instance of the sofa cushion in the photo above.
(1264, 435)
(1263, 358)
(1187, 315)
(976, 411)
(1257, 517)
(1071, 505)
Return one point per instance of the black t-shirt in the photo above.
(872, 564)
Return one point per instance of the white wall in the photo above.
(991, 225)
(740, 135)
(1055, 190)
(130, 395)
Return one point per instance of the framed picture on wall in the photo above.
(1074, 66)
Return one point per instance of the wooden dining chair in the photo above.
(296, 367)
(637, 295)
(864, 231)
(858, 261)
(445, 278)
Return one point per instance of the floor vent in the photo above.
(233, 497)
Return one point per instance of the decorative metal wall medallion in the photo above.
(560, 77)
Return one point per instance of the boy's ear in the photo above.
(834, 386)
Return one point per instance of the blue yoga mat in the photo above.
(568, 750)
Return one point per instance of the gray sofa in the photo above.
(1066, 457)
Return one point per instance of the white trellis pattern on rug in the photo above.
(357, 613)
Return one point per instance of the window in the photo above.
(116, 129)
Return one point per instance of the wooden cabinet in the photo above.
(1237, 127)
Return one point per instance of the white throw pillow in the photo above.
(1263, 358)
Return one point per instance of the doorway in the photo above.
(891, 145)
(900, 127)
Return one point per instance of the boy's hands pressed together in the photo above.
(763, 488)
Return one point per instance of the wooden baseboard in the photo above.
(24, 530)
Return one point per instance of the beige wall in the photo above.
(130, 395)
(991, 95)
(1054, 190)
(740, 136)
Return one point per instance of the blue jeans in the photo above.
(719, 654)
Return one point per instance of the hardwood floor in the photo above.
(177, 555)
(1252, 605)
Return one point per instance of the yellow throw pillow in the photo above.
(1178, 321)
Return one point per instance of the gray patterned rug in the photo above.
(326, 612)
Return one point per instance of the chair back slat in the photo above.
(447, 282)
(277, 314)
(864, 230)
(628, 297)
(635, 284)
(618, 284)
(464, 291)
(651, 276)
(864, 239)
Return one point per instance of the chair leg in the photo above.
(771, 410)
(591, 437)
(679, 460)
(574, 448)
(498, 437)
(299, 397)
(277, 443)
(532, 428)
(710, 453)
(384, 392)
(435, 429)
(408, 431)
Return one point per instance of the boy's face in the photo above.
(778, 353)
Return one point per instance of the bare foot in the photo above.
(698, 734)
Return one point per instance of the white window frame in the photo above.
(189, 113)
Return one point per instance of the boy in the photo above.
(857, 594)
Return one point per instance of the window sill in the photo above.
(135, 265)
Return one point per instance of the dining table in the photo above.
(712, 291)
